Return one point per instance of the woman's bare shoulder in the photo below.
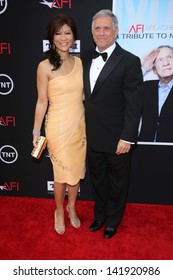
(44, 66)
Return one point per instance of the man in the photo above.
(157, 116)
(113, 104)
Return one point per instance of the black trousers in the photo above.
(109, 175)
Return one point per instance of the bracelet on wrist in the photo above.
(35, 131)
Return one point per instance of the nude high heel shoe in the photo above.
(58, 229)
(75, 223)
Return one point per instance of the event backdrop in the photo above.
(143, 24)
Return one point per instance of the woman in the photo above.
(60, 90)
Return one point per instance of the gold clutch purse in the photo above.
(41, 145)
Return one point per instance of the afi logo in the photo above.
(136, 28)
(10, 186)
(5, 48)
(8, 121)
(58, 4)
(3, 6)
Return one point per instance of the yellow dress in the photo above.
(65, 126)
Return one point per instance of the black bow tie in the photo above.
(96, 54)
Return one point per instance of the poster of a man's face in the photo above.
(163, 65)
(157, 117)
(148, 33)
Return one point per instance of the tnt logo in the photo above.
(8, 154)
(3, 6)
(6, 84)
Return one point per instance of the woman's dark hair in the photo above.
(52, 27)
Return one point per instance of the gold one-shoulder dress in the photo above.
(65, 126)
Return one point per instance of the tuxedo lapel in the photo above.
(87, 75)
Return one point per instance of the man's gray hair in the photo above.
(166, 46)
(104, 13)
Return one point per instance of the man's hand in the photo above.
(123, 147)
(147, 62)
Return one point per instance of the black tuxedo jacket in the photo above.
(154, 124)
(114, 108)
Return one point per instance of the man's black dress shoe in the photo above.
(109, 232)
(96, 225)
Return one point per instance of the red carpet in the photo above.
(146, 233)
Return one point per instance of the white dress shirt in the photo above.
(97, 65)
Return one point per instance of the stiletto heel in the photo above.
(75, 223)
(58, 229)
